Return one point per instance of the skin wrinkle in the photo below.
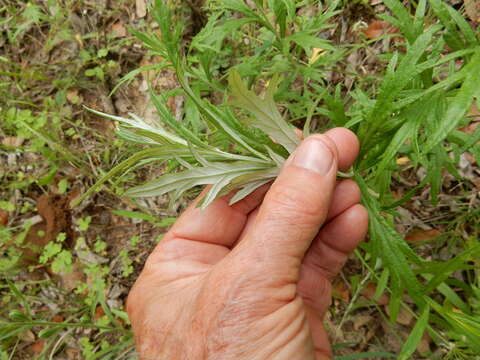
(221, 220)
(295, 330)
(338, 257)
(171, 270)
(269, 344)
(176, 234)
(188, 249)
(312, 288)
(230, 324)
(241, 305)
(159, 336)
(253, 252)
(287, 200)
(167, 334)
(256, 261)
(265, 254)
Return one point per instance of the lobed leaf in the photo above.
(218, 174)
(266, 115)
(460, 104)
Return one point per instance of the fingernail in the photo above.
(313, 154)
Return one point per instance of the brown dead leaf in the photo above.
(27, 336)
(378, 28)
(73, 97)
(404, 317)
(171, 104)
(54, 211)
(38, 346)
(397, 194)
(99, 312)
(470, 158)
(73, 354)
(423, 347)
(474, 114)
(70, 280)
(12, 141)
(369, 292)
(57, 318)
(53, 208)
(474, 111)
(417, 235)
(34, 242)
(119, 30)
(472, 8)
(476, 182)
(470, 128)
(361, 320)
(3, 218)
(141, 8)
(73, 195)
(341, 291)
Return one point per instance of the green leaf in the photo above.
(391, 247)
(240, 6)
(280, 10)
(17, 315)
(6, 205)
(137, 123)
(217, 174)
(307, 42)
(464, 26)
(450, 18)
(49, 332)
(419, 20)
(459, 105)
(266, 115)
(450, 295)
(62, 262)
(405, 23)
(222, 121)
(463, 324)
(415, 336)
(50, 250)
(247, 190)
(449, 267)
(62, 186)
(396, 79)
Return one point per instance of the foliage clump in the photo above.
(414, 109)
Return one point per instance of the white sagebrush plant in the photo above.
(203, 163)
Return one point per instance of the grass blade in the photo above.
(415, 336)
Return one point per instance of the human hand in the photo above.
(253, 280)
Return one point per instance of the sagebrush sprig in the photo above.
(205, 164)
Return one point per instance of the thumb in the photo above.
(295, 207)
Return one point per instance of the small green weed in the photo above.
(52, 53)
